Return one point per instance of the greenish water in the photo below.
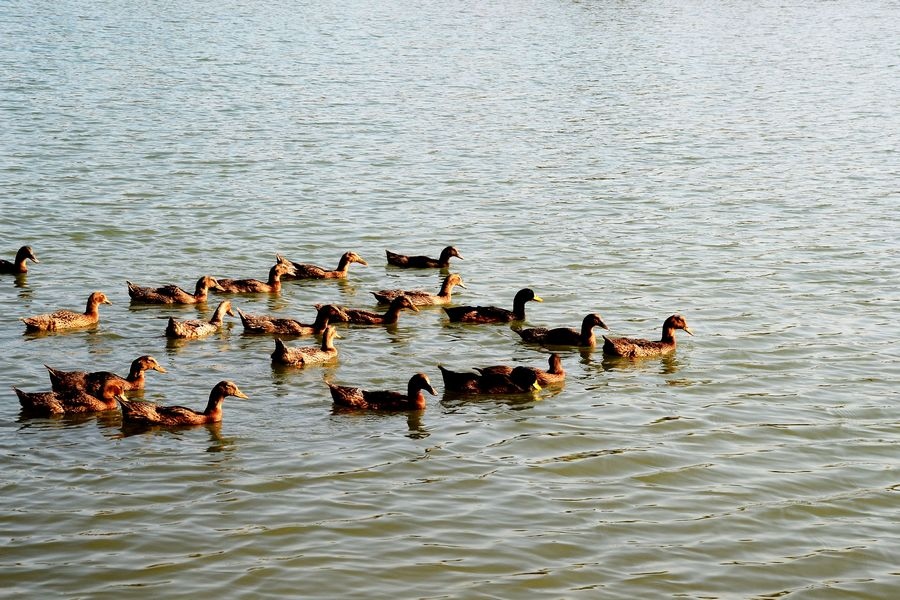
(733, 162)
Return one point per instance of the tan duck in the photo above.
(519, 380)
(18, 265)
(639, 348)
(308, 271)
(172, 294)
(565, 336)
(284, 326)
(195, 328)
(358, 316)
(493, 314)
(72, 401)
(423, 262)
(93, 382)
(148, 413)
(358, 398)
(554, 374)
(255, 286)
(421, 297)
(307, 355)
(67, 319)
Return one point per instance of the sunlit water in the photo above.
(735, 162)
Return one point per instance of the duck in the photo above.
(149, 413)
(423, 262)
(565, 336)
(172, 294)
(195, 328)
(75, 401)
(358, 398)
(18, 266)
(639, 348)
(356, 316)
(308, 271)
(255, 286)
(421, 297)
(519, 380)
(67, 319)
(92, 382)
(284, 326)
(554, 374)
(493, 314)
(307, 355)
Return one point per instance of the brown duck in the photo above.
(519, 380)
(358, 316)
(307, 355)
(565, 336)
(172, 294)
(18, 265)
(493, 314)
(93, 382)
(67, 319)
(421, 297)
(255, 286)
(308, 271)
(195, 328)
(358, 398)
(149, 413)
(72, 401)
(423, 262)
(284, 326)
(554, 374)
(638, 348)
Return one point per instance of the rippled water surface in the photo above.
(735, 162)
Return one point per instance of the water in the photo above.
(734, 162)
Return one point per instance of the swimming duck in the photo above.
(67, 319)
(149, 413)
(72, 401)
(283, 326)
(353, 397)
(565, 336)
(308, 271)
(555, 374)
(308, 354)
(421, 297)
(195, 328)
(172, 294)
(519, 380)
(638, 348)
(255, 286)
(18, 265)
(93, 382)
(358, 316)
(423, 262)
(493, 314)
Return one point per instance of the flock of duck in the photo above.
(84, 392)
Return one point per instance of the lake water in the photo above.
(735, 162)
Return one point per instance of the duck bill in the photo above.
(688, 331)
(536, 386)
(159, 368)
(240, 394)
(538, 299)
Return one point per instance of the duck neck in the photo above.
(555, 365)
(213, 410)
(20, 264)
(328, 342)
(343, 265)
(201, 290)
(392, 315)
(668, 334)
(446, 288)
(416, 397)
(136, 373)
(322, 319)
(275, 278)
(93, 308)
(519, 309)
(219, 316)
(587, 334)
